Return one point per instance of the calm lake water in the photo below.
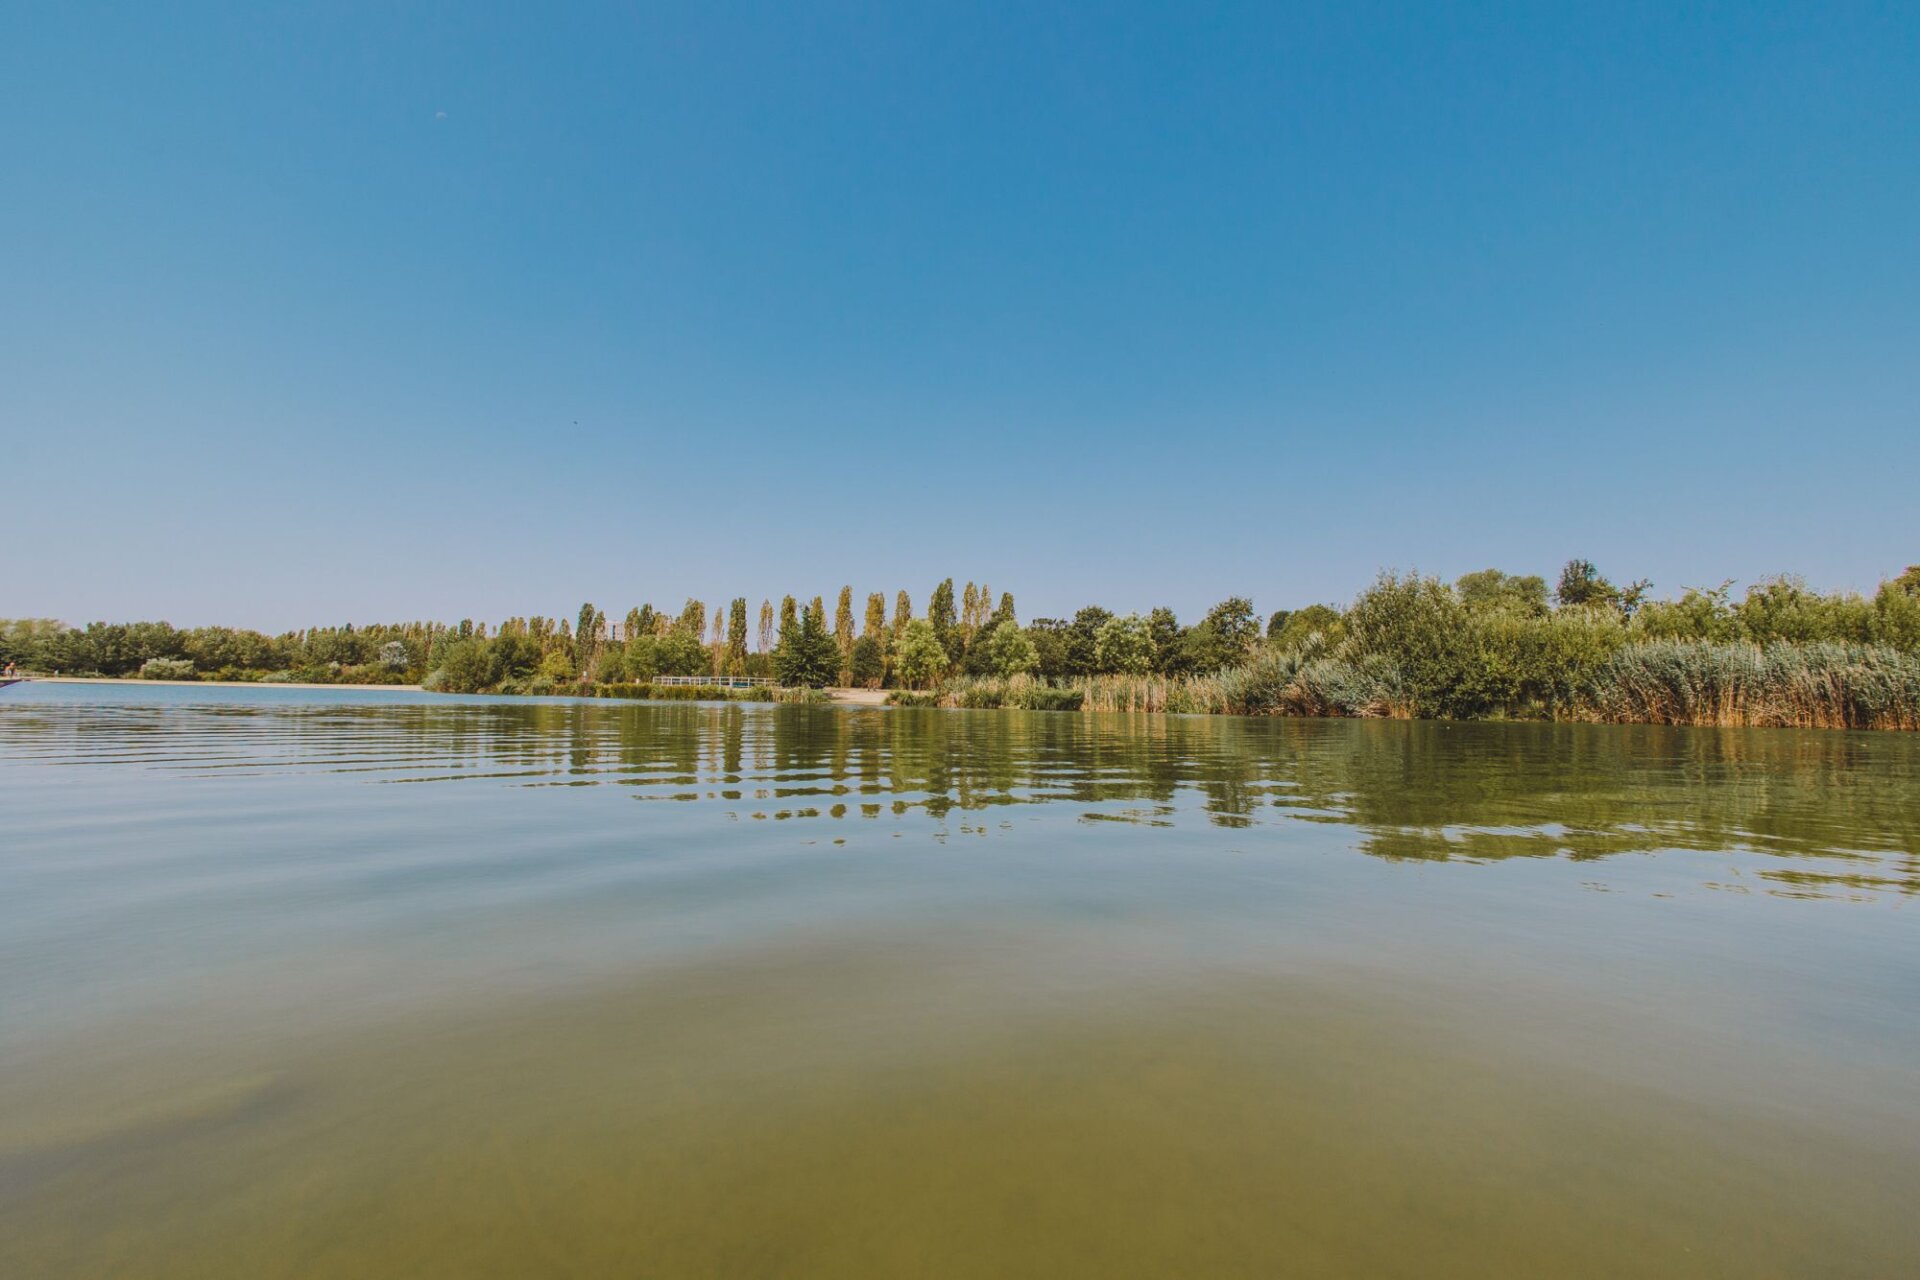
(380, 984)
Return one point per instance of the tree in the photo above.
(1908, 583)
(766, 627)
(789, 616)
(876, 623)
(902, 614)
(465, 667)
(1163, 629)
(919, 660)
(1050, 638)
(1315, 620)
(1276, 621)
(867, 665)
(737, 636)
(806, 655)
(1008, 651)
(946, 623)
(1581, 585)
(1123, 646)
(1233, 621)
(1491, 591)
(394, 655)
(843, 628)
(693, 619)
(680, 653)
(586, 638)
(1082, 637)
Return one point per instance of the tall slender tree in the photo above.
(902, 614)
(969, 614)
(766, 627)
(843, 626)
(941, 613)
(737, 637)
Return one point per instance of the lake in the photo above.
(358, 983)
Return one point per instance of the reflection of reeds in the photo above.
(1816, 686)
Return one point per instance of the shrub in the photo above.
(166, 669)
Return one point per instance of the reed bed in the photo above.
(1812, 686)
(1681, 682)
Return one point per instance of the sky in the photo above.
(313, 313)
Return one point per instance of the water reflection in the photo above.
(1832, 814)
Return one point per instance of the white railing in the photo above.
(718, 682)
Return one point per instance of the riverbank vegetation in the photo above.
(1490, 645)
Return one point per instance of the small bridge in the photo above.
(716, 682)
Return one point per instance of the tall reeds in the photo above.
(1682, 682)
(1811, 686)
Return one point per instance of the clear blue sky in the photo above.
(331, 312)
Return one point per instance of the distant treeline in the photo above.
(1491, 644)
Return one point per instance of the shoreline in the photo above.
(215, 684)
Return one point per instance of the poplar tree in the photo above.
(940, 613)
(843, 624)
(877, 616)
(969, 614)
(586, 638)
(766, 627)
(902, 614)
(737, 637)
(789, 616)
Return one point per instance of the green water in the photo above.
(359, 984)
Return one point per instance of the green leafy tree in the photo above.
(1163, 630)
(680, 653)
(737, 636)
(1490, 590)
(919, 660)
(1124, 646)
(1302, 625)
(465, 667)
(945, 621)
(586, 638)
(867, 666)
(1234, 623)
(1082, 637)
(1581, 585)
(843, 629)
(1008, 651)
(806, 656)
(1051, 639)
